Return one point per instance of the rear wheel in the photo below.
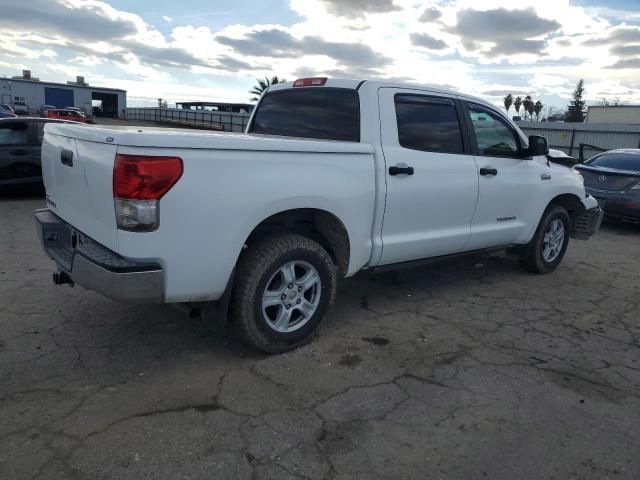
(284, 287)
(549, 244)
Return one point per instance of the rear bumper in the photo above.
(587, 224)
(95, 267)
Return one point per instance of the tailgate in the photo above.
(78, 178)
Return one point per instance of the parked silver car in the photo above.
(20, 108)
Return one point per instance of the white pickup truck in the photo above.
(332, 177)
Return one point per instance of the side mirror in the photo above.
(538, 145)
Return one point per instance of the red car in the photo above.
(64, 114)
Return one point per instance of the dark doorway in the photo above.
(109, 107)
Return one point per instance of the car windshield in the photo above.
(617, 160)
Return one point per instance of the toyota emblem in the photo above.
(602, 178)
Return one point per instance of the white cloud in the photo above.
(476, 47)
(11, 48)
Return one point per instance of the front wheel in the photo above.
(549, 244)
(284, 287)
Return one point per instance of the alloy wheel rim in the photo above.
(553, 241)
(291, 296)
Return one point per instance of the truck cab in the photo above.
(462, 162)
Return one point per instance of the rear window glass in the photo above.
(617, 160)
(322, 113)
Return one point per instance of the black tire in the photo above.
(534, 259)
(256, 267)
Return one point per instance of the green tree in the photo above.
(537, 108)
(260, 87)
(508, 101)
(575, 110)
(517, 103)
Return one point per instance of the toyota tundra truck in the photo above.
(332, 177)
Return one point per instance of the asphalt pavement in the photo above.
(469, 369)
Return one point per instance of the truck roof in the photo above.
(357, 83)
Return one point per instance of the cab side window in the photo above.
(14, 133)
(428, 124)
(493, 136)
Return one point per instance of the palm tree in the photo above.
(508, 101)
(527, 103)
(537, 107)
(262, 85)
(517, 103)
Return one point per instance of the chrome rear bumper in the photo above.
(94, 266)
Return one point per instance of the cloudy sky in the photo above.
(213, 50)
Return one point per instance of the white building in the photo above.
(613, 114)
(111, 101)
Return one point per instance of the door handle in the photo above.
(488, 171)
(400, 170)
(66, 157)
(19, 152)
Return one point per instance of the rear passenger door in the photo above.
(16, 164)
(431, 176)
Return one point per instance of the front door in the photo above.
(16, 165)
(509, 181)
(431, 176)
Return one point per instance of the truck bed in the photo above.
(230, 183)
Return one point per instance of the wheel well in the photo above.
(319, 225)
(571, 203)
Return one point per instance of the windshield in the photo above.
(322, 113)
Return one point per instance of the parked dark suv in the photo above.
(20, 142)
(613, 178)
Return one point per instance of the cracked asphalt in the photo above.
(470, 369)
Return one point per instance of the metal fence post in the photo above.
(573, 136)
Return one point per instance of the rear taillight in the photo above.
(138, 177)
(310, 82)
(139, 182)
